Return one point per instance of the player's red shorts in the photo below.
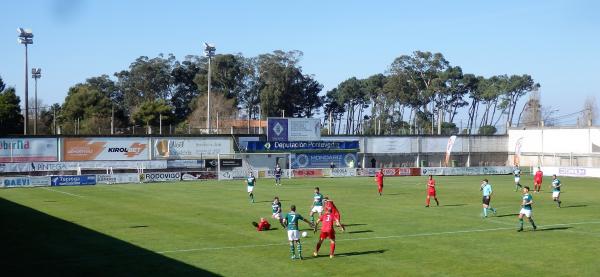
(330, 235)
(431, 192)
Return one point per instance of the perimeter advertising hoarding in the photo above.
(293, 129)
(191, 148)
(105, 149)
(315, 160)
(198, 175)
(67, 166)
(118, 178)
(28, 150)
(483, 170)
(24, 181)
(73, 180)
(292, 146)
(160, 176)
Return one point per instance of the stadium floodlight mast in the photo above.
(209, 51)
(36, 73)
(25, 38)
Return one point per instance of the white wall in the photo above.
(550, 141)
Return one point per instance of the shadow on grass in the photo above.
(554, 228)
(354, 224)
(453, 205)
(574, 206)
(360, 232)
(358, 253)
(505, 215)
(35, 244)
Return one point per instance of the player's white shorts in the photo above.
(525, 212)
(250, 188)
(517, 179)
(276, 215)
(293, 235)
(317, 209)
(555, 194)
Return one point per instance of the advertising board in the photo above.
(160, 177)
(24, 181)
(28, 150)
(319, 160)
(293, 129)
(118, 178)
(105, 149)
(198, 175)
(292, 146)
(191, 148)
(73, 180)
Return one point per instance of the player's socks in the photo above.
(299, 250)
(484, 212)
(521, 224)
(437, 202)
(318, 246)
(331, 249)
(427, 201)
(292, 251)
(559, 203)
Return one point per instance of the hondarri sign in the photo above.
(28, 150)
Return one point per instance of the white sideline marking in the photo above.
(72, 194)
(376, 238)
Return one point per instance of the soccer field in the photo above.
(204, 228)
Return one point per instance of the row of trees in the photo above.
(176, 93)
(420, 93)
(419, 90)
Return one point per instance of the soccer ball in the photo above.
(304, 234)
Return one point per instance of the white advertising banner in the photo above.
(236, 173)
(571, 171)
(484, 170)
(24, 181)
(339, 172)
(118, 178)
(390, 145)
(293, 129)
(191, 148)
(160, 177)
(66, 166)
(105, 149)
(28, 150)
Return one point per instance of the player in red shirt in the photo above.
(327, 231)
(431, 191)
(379, 180)
(330, 205)
(263, 225)
(537, 180)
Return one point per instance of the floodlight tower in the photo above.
(25, 38)
(209, 50)
(36, 73)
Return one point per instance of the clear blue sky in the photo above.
(557, 42)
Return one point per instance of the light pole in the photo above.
(36, 73)
(25, 38)
(209, 50)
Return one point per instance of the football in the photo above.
(304, 234)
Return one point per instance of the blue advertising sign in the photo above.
(320, 160)
(277, 129)
(73, 180)
(287, 146)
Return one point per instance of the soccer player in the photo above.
(250, 182)
(327, 231)
(556, 185)
(379, 180)
(317, 205)
(537, 180)
(486, 189)
(277, 175)
(330, 205)
(276, 209)
(517, 173)
(431, 192)
(291, 221)
(263, 225)
(526, 209)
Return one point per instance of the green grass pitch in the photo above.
(204, 228)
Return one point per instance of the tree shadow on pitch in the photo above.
(453, 205)
(354, 224)
(35, 244)
(358, 253)
(554, 228)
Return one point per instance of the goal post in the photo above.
(239, 165)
